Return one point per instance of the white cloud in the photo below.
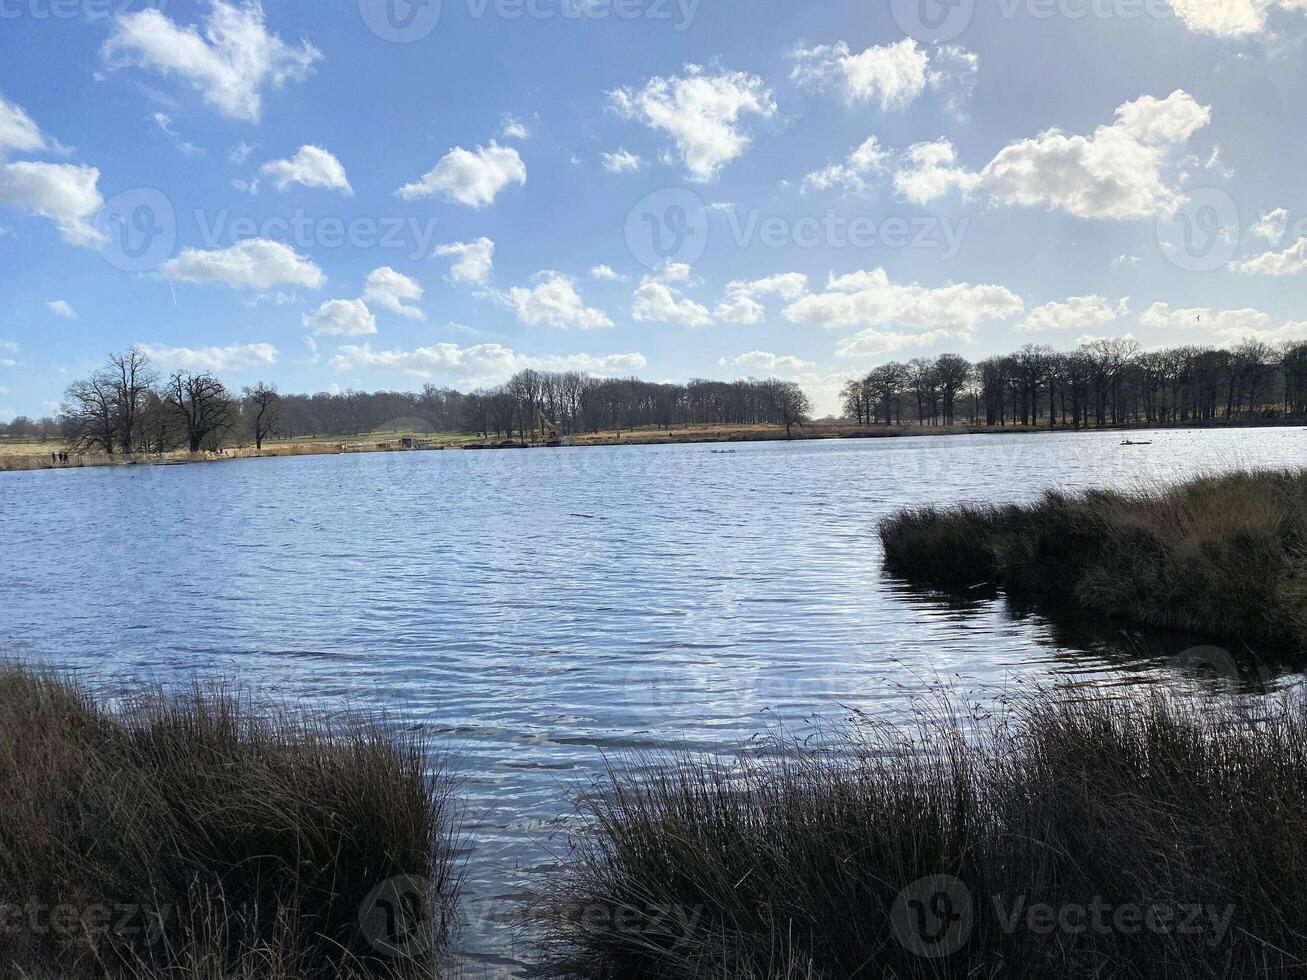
(606, 274)
(235, 357)
(1117, 172)
(870, 299)
(553, 301)
(741, 302)
(254, 263)
(473, 261)
(854, 174)
(512, 128)
(1228, 327)
(1272, 226)
(241, 152)
(164, 122)
(1124, 259)
(63, 192)
(700, 112)
(760, 360)
(341, 318)
(740, 308)
(1229, 18)
(621, 162)
(482, 364)
(874, 343)
(1290, 262)
(389, 289)
(894, 75)
(655, 301)
(229, 65)
(470, 177)
(931, 170)
(61, 308)
(311, 166)
(1077, 313)
(17, 130)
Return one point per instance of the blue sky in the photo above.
(371, 194)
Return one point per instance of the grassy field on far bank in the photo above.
(25, 455)
(209, 837)
(1219, 555)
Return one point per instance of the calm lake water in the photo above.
(539, 609)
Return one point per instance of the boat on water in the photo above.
(1127, 442)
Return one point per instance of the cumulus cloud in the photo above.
(892, 75)
(871, 299)
(931, 170)
(311, 166)
(1230, 18)
(512, 128)
(482, 364)
(605, 273)
(61, 308)
(235, 357)
(875, 343)
(1272, 226)
(854, 174)
(470, 177)
(17, 130)
(472, 261)
(229, 64)
(1290, 262)
(655, 301)
(741, 305)
(701, 112)
(553, 301)
(621, 162)
(761, 360)
(1227, 326)
(341, 318)
(254, 263)
(390, 289)
(1077, 313)
(1116, 172)
(65, 193)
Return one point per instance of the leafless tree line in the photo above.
(126, 408)
(1106, 382)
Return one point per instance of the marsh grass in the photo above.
(1219, 555)
(797, 867)
(226, 838)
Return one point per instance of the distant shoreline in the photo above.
(13, 461)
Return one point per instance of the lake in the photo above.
(538, 609)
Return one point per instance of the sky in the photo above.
(379, 194)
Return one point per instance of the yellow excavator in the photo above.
(546, 432)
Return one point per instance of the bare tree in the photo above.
(265, 408)
(204, 405)
(88, 414)
(133, 381)
(790, 404)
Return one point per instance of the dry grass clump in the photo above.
(208, 837)
(1222, 555)
(1070, 839)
